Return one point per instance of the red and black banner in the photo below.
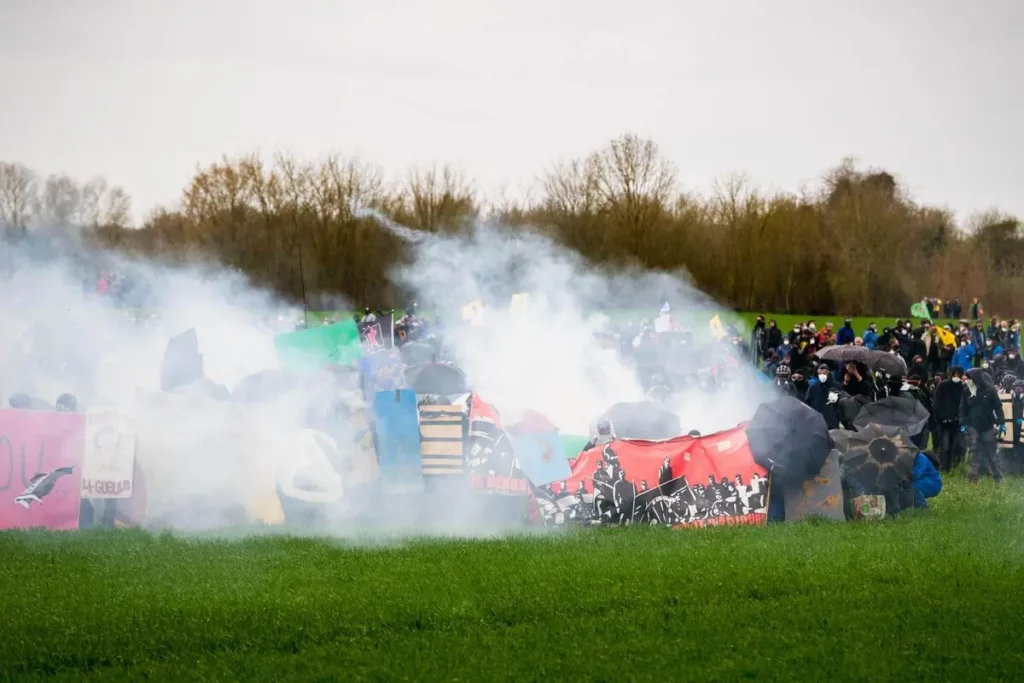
(688, 481)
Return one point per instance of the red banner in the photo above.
(688, 481)
(40, 469)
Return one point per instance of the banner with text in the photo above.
(40, 469)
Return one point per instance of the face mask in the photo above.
(1012, 356)
(822, 378)
(963, 344)
(956, 380)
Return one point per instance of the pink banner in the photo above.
(40, 469)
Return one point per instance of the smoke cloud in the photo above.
(212, 464)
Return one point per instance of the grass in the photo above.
(697, 320)
(929, 596)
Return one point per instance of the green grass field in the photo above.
(929, 596)
(697, 320)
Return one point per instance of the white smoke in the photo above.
(548, 358)
(57, 336)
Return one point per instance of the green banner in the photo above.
(315, 347)
(919, 310)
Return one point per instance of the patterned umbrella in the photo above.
(879, 457)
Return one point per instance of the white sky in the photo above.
(932, 90)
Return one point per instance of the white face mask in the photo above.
(956, 380)
(1012, 356)
(822, 378)
(963, 344)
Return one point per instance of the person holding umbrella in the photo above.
(981, 418)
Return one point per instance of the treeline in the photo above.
(856, 244)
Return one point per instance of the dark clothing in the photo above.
(949, 445)
(845, 336)
(946, 406)
(983, 449)
(818, 398)
(859, 387)
(758, 342)
(982, 411)
(774, 337)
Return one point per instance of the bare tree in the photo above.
(439, 200)
(18, 195)
(60, 202)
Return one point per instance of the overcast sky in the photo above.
(932, 90)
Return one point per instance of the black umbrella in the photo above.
(895, 411)
(418, 353)
(879, 457)
(437, 378)
(643, 420)
(891, 363)
(789, 439)
(841, 438)
(847, 354)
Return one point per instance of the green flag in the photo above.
(315, 347)
(919, 310)
(573, 443)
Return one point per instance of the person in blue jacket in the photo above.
(964, 355)
(870, 337)
(846, 335)
(926, 480)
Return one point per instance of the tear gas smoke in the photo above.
(210, 464)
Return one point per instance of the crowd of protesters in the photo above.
(954, 372)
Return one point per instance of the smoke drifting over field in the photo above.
(211, 463)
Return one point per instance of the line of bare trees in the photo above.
(856, 244)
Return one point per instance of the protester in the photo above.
(871, 336)
(823, 396)
(980, 413)
(846, 335)
(946, 411)
(925, 479)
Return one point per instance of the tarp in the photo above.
(686, 481)
(315, 347)
(40, 469)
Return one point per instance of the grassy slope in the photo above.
(933, 596)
